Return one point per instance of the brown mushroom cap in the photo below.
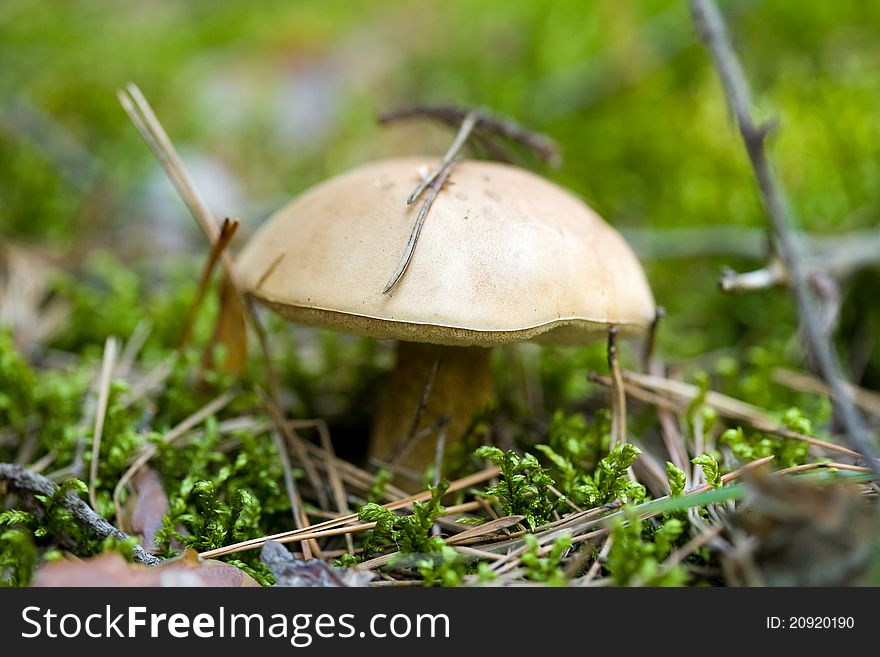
(504, 256)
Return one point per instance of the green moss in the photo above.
(637, 552)
(524, 486)
(408, 533)
(545, 568)
(711, 469)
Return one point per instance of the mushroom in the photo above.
(504, 256)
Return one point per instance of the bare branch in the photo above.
(487, 123)
(21, 479)
(458, 143)
(710, 25)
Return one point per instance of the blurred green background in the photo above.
(266, 98)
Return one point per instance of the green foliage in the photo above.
(711, 469)
(410, 533)
(52, 397)
(18, 557)
(17, 517)
(636, 553)
(109, 297)
(446, 568)
(545, 568)
(578, 440)
(17, 385)
(210, 522)
(524, 485)
(751, 445)
(119, 442)
(677, 479)
(610, 480)
(202, 519)
(25, 531)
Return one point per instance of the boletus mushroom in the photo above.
(504, 256)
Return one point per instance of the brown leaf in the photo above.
(144, 510)
(111, 569)
(230, 330)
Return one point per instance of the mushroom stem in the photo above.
(418, 396)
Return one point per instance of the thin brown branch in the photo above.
(337, 484)
(296, 443)
(677, 395)
(467, 126)
(227, 232)
(710, 24)
(487, 123)
(23, 480)
(868, 400)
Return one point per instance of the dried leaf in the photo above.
(111, 569)
(144, 510)
(230, 330)
(290, 571)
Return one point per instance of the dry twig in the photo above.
(21, 479)
(487, 124)
(710, 25)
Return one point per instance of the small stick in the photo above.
(296, 503)
(433, 191)
(101, 413)
(481, 531)
(771, 275)
(227, 232)
(440, 448)
(868, 400)
(654, 390)
(713, 31)
(337, 484)
(296, 443)
(458, 143)
(147, 124)
(141, 114)
(22, 479)
(618, 424)
(355, 475)
(487, 122)
(818, 466)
